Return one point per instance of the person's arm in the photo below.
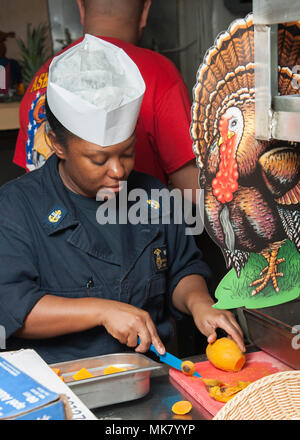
(191, 296)
(173, 143)
(28, 311)
(19, 157)
(187, 177)
(54, 316)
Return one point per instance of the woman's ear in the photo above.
(144, 15)
(81, 8)
(55, 145)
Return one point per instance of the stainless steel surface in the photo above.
(275, 116)
(157, 404)
(276, 331)
(286, 126)
(266, 80)
(102, 389)
(276, 11)
(288, 103)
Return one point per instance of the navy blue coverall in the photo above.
(46, 247)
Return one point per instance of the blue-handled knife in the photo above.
(169, 359)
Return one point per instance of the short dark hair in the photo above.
(62, 133)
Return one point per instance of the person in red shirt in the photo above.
(164, 146)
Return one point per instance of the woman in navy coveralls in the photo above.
(71, 288)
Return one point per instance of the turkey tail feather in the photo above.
(236, 259)
(291, 224)
(288, 57)
(226, 74)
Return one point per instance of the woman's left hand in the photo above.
(208, 319)
(191, 296)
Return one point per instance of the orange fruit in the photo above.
(182, 407)
(112, 369)
(188, 368)
(82, 374)
(225, 354)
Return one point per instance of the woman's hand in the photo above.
(191, 296)
(208, 320)
(126, 322)
(55, 316)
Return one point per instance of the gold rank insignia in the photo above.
(154, 204)
(160, 258)
(55, 216)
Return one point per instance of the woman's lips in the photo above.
(113, 188)
(107, 191)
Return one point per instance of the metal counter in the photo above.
(156, 405)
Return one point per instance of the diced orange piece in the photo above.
(112, 369)
(188, 368)
(82, 374)
(242, 384)
(223, 392)
(211, 382)
(56, 371)
(182, 407)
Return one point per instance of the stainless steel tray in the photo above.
(276, 330)
(109, 389)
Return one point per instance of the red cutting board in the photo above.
(258, 364)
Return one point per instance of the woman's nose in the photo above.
(116, 169)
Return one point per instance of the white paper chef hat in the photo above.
(95, 91)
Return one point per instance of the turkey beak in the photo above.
(230, 134)
(220, 141)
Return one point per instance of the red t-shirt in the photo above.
(163, 138)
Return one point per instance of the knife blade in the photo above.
(169, 359)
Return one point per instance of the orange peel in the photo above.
(223, 392)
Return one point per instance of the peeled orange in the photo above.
(225, 354)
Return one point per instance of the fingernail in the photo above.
(161, 350)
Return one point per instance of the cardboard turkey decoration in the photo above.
(251, 187)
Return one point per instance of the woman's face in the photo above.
(87, 168)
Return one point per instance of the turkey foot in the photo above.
(269, 272)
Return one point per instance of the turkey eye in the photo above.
(233, 123)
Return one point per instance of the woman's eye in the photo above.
(129, 153)
(98, 163)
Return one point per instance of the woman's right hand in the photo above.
(126, 323)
